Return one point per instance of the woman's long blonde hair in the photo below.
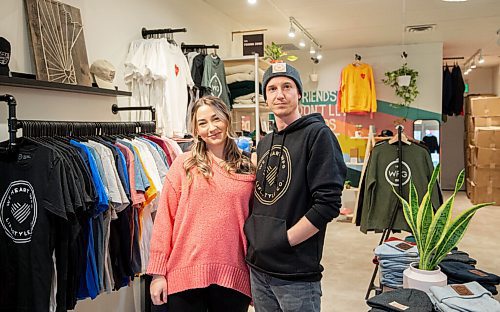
(234, 161)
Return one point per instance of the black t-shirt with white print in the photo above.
(32, 208)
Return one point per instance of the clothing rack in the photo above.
(147, 33)
(11, 121)
(115, 109)
(387, 231)
(36, 128)
(198, 47)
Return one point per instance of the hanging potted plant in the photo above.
(404, 82)
(274, 53)
(436, 234)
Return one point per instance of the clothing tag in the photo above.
(279, 68)
(478, 273)
(21, 157)
(462, 290)
(403, 246)
(399, 306)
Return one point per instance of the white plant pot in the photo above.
(403, 81)
(314, 77)
(422, 279)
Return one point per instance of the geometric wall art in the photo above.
(56, 32)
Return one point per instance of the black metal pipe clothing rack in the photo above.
(115, 109)
(148, 32)
(387, 231)
(198, 46)
(34, 128)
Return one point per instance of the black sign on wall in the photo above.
(253, 44)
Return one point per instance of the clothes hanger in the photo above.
(404, 139)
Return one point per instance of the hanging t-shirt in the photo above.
(32, 207)
(214, 77)
(357, 89)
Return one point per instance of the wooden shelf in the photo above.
(56, 86)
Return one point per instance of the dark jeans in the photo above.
(213, 298)
(271, 294)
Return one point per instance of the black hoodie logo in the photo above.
(274, 172)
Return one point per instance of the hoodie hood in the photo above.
(300, 123)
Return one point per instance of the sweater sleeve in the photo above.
(326, 172)
(161, 239)
(373, 94)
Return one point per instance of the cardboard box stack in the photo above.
(482, 124)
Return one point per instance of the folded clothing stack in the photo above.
(459, 273)
(468, 297)
(403, 299)
(240, 80)
(248, 99)
(459, 256)
(394, 257)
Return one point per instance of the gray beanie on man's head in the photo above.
(284, 70)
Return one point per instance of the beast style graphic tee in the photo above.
(32, 208)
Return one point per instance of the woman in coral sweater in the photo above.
(197, 254)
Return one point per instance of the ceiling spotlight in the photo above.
(454, 0)
(291, 33)
(252, 1)
(312, 50)
(302, 43)
(473, 65)
(319, 56)
(481, 58)
(466, 72)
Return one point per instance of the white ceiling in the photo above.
(463, 27)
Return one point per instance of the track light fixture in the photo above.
(291, 32)
(314, 43)
(480, 60)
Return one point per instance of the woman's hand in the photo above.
(158, 289)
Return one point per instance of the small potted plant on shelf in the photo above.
(347, 184)
(274, 53)
(404, 82)
(436, 233)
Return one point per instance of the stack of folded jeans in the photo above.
(403, 299)
(459, 273)
(468, 297)
(394, 257)
(459, 256)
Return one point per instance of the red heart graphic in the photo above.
(176, 70)
(363, 76)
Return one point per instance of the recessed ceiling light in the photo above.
(302, 43)
(454, 0)
(252, 1)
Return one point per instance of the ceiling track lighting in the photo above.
(291, 32)
(314, 42)
(471, 64)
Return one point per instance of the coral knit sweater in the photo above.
(198, 237)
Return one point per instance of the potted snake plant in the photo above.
(436, 233)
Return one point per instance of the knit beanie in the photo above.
(284, 70)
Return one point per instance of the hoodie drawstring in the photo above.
(281, 154)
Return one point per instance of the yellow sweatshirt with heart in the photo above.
(357, 89)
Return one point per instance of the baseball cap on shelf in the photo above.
(103, 74)
(4, 56)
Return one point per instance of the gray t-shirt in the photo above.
(214, 77)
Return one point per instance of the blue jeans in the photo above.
(271, 294)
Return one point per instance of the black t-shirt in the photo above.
(32, 208)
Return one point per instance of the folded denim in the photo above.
(464, 272)
(459, 256)
(489, 287)
(414, 299)
(394, 267)
(399, 260)
(389, 250)
(481, 300)
(392, 275)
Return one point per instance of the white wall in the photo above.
(109, 27)
(425, 58)
(481, 80)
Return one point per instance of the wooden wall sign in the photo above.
(56, 32)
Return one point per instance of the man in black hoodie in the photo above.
(300, 177)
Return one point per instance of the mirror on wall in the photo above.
(427, 131)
